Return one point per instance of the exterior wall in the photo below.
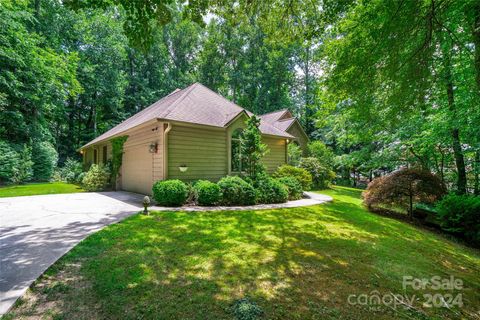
(277, 154)
(141, 168)
(88, 158)
(203, 150)
(296, 131)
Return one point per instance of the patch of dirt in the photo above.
(64, 295)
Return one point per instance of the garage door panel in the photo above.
(137, 170)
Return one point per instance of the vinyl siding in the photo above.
(203, 150)
(277, 153)
(300, 137)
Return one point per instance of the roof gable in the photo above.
(195, 104)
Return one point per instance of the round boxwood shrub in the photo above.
(236, 191)
(96, 179)
(270, 190)
(294, 187)
(207, 193)
(302, 175)
(170, 192)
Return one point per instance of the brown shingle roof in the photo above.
(194, 104)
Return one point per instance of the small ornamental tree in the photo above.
(252, 148)
(404, 188)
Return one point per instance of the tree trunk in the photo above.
(454, 131)
(410, 207)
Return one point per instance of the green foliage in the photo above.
(96, 178)
(117, 156)
(271, 190)
(246, 309)
(295, 190)
(321, 176)
(302, 175)
(24, 170)
(460, 214)
(45, 159)
(236, 191)
(294, 154)
(317, 149)
(403, 188)
(71, 172)
(252, 148)
(207, 193)
(170, 192)
(9, 160)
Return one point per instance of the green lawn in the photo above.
(31, 189)
(300, 263)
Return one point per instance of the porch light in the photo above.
(183, 168)
(153, 147)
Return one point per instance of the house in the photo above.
(190, 134)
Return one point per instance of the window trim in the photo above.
(232, 161)
(104, 154)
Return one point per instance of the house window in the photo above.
(104, 155)
(95, 156)
(238, 160)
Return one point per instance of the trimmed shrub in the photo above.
(321, 176)
(270, 190)
(460, 215)
(170, 192)
(302, 175)
(236, 191)
(71, 171)
(294, 187)
(9, 160)
(45, 159)
(403, 188)
(207, 193)
(96, 179)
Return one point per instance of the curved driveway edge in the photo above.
(35, 231)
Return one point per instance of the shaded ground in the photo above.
(31, 189)
(296, 263)
(37, 230)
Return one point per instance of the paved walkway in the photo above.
(35, 231)
(313, 199)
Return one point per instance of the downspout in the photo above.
(166, 130)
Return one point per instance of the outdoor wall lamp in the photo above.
(183, 168)
(153, 147)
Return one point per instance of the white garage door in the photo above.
(137, 169)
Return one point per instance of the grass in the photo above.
(32, 189)
(300, 263)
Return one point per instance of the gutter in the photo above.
(165, 149)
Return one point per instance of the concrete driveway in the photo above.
(37, 230)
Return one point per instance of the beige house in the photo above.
(190, 134)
